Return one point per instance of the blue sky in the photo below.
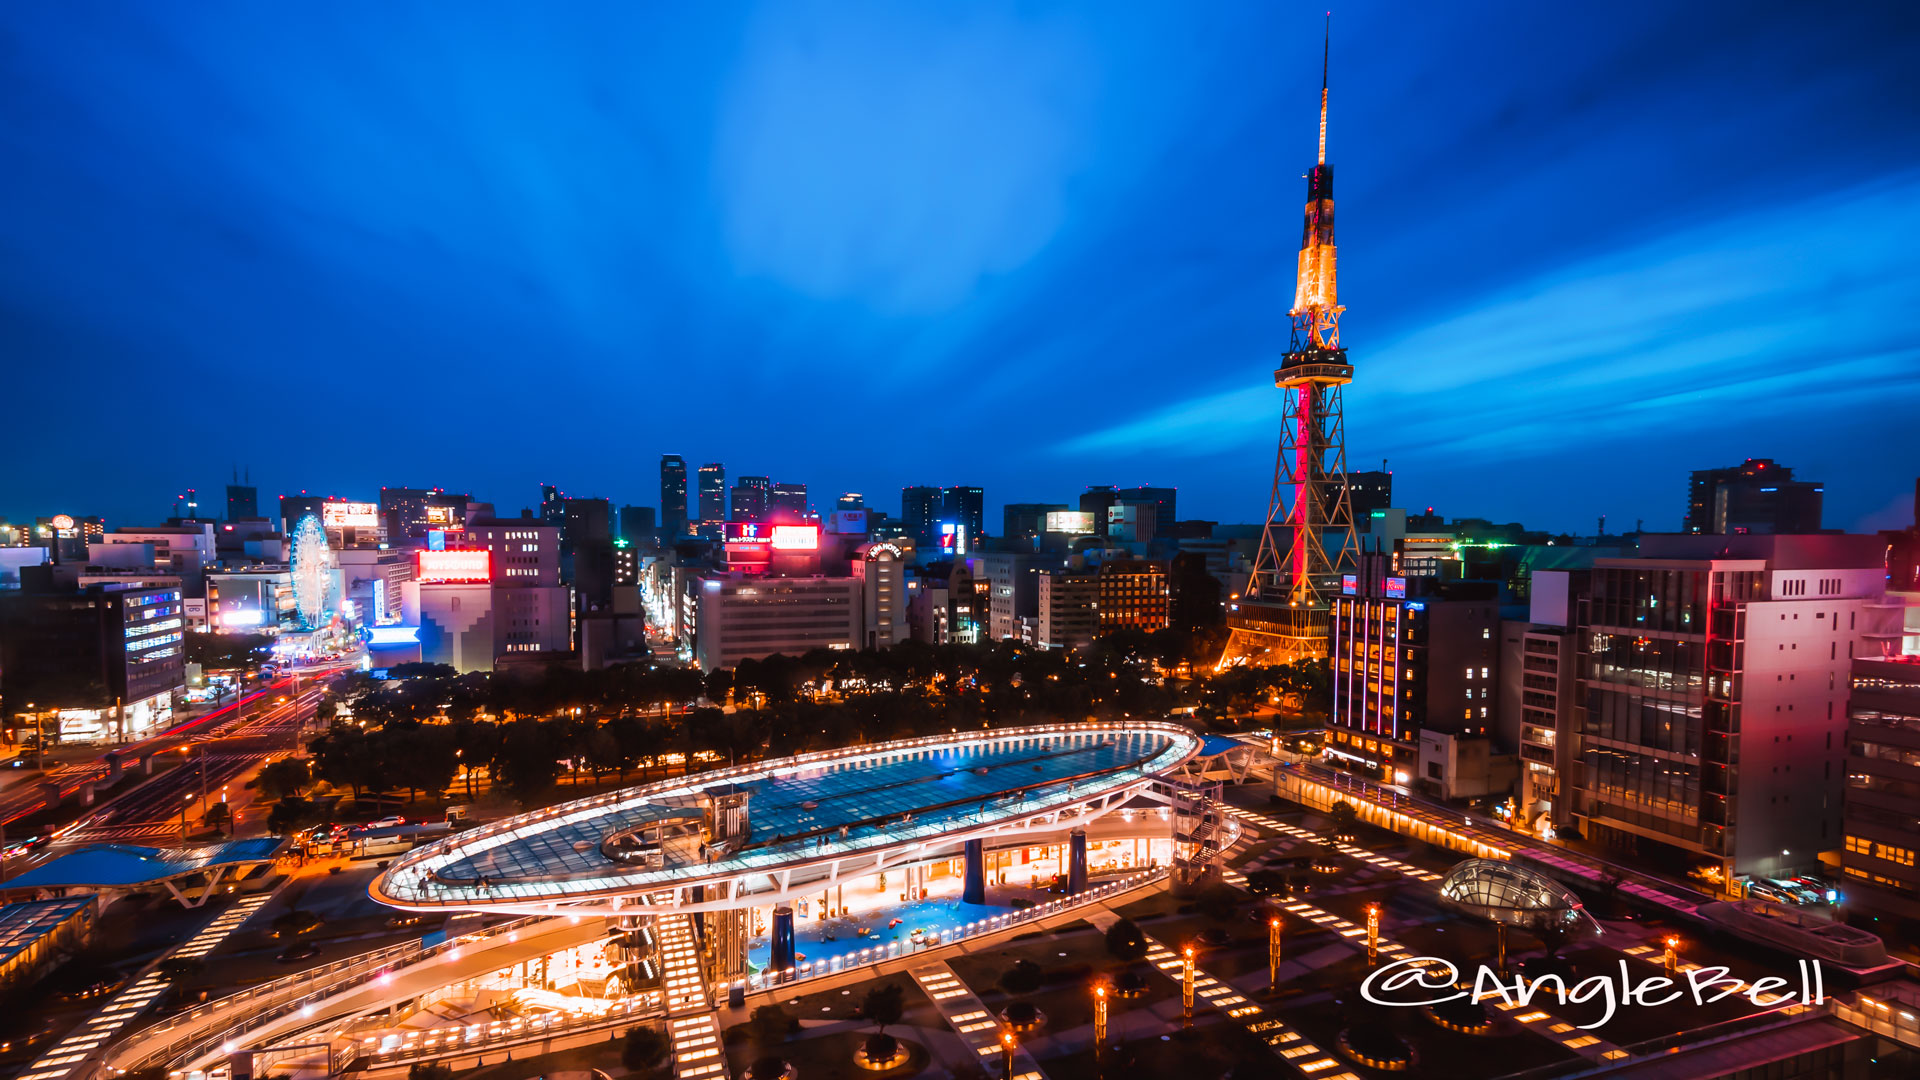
(1585, 249)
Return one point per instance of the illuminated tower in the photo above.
(1309, 539)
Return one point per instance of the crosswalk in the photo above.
(69, 1053)
(969, 1018)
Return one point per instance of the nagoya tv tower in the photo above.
(1309, 538)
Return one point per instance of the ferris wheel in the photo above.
(312, 573)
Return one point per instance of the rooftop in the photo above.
(103, 866)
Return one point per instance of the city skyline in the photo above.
(1592, 261)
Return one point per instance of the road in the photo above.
(218, 750)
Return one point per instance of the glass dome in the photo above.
(1505, 893)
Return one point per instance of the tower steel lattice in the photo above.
(1309, 538)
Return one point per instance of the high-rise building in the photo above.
(1159, 499)
(673, 495)
(636, 524)
(920, 514)
(1013, 588)
(750, 499)
(102, 663)
(713, 494)
(586, 551)
(744, 617)
(295, 507)
(410, 513)
(1309, 539)
(553, 506)
(1133, 594)
(1098, 500)
(1068, 608)
(1712, 710)
(1882, 801)
(1414, 665)
(851, 500)
(1026, 521)
(965, 506)
(885, 595)
(1755, 496)
(243, 499)
(787, 502)
(525, 551)
(1366, 491)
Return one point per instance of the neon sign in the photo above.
(465, 565)
(796, 538)
(1397, 588)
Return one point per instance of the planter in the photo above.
(1401, 1061)
(901, 1055)
(1465, 1017)
(1018, 1021)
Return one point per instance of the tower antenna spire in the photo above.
(1326, 54)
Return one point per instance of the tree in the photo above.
(421, 670)
(644, 1049)
(769, 1027)
(219, 816)
(290, 813)
(286, 778)
(178, 969)
(1266, 882)
(1126, 942)
(1343, 816)
(1020, 979)
(883, 1006)
(429, 1070)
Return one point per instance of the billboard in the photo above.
(468, 565)
(747, 532)
(349, 515)
(445, 517)
(849, 522)
(1349, 584)
(796, 538)
(1077, 522)
(1397, 588)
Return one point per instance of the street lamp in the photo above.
(1007, 1047)
(1273, 950)
(185, 801)
(1186, 982)
(1673, 955)
(1373, 933)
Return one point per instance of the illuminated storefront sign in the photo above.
(350, 515)
(1396, 588)
(1349, 584)
(455, 565)
(394, 635)
(850, 522)
(436, 539)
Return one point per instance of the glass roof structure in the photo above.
(800, 810)
(1505, 893)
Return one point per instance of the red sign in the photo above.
(468, 565)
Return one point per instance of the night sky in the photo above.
(1585, 248)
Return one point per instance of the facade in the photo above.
(920, 515)
(586, 551)
(1159, 503)
(787, 502)
(243, 501)
(456, 624)
(1067, 607)
(744, 617)
(372, 578)
(530, 620)
(1132, 594)
(1413, 671)
(1098, 500)
(1013, 589)
(103, 663)
(713, 495)
(525, 551)
(411, 513)
(636, 524)
(965, 506)
(673, 495)
(185, 551)
(1026, 521)
(1368, 490)
(1755, 496)
(1882, 800)
(39, 935)
(258, 599)
(883, 569)
(750, 499)
(1712, 706)
(1131, 523)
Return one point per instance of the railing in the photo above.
(346, 975)
(896, 949)
(428, 1044)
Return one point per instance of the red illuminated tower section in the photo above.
(1309, 539)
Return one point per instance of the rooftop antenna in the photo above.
(1326, 53)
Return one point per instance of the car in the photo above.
(387, 822)
(1764, 890)
(1799, 892)
(28, 846)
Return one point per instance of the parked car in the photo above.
(385, 823)
(1766, 890)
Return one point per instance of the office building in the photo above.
(553, 505)
(184, 551)
(295, 507)
(1414, 665)
(1133, 595)
(1537, 690)
(1131, 523)
(525, 552)
(851, 500)
(673, 495)
(920, 515)
(1025, 522)
(787, 502)
(713, 495)
(372, 578)
(1159, 503)
(1012, 582)
(1713, 695)
(745, 617)
(243, 499)
(586, 551)
(965, 506)
(1098, 501)
(1755, 496)
(1067, 608)
(1881, 807)
(750, 499)
(1367, 492)
(411, 513)
(100, 663)
(637, 525)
